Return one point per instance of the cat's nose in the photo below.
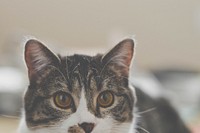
(87, 127)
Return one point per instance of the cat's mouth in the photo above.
(82, 128)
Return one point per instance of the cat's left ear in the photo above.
(120, 57)
(37, 57)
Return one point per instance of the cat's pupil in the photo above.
(105, 98)
(63, 98)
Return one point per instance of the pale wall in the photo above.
(167, 32)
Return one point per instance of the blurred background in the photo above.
(167, 54)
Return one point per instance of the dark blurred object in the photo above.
(182, 88)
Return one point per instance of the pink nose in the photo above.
(87, 127)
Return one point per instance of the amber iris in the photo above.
(63, 100)
(105, 99)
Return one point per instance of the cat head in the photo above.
(78, 93)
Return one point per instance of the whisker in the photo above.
(67, 67)
(146, 111)
(9, 116)
(75, 67)
(42, 126)
(143, 129)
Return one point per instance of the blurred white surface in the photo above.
(11, 80)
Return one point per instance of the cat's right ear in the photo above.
(120, 57)
(38, 56)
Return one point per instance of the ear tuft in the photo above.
(38, 56)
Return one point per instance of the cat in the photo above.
(90, 94)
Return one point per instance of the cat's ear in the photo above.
(38, 56)
(120, 57)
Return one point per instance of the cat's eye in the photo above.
(105, 99)
(63, 100)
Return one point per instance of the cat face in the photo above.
(78, 94)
